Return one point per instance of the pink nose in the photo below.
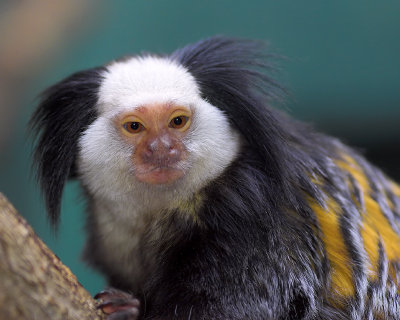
(161, 152)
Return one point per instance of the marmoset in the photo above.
(204, 202)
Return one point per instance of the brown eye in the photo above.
(133, 126)
(178, 122)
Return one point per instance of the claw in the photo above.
(112, 306)
(101, 294)
(118, 304)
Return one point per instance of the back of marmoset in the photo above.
(204, 202)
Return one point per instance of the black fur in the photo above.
(232, 76)
(257, 250)
(249, 260)
(65, 110)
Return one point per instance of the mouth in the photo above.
(159, 175)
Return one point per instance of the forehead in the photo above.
(145, 80)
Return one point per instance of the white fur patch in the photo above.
(144, 80)
(104, 158)
(105, 163)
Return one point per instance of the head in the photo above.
(160, 124)
(153, 131)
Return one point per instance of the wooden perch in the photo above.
(34, 284)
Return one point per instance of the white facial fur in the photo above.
(122, 205)
(105, 159)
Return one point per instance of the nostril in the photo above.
(153, 145)
(148, 153)
(173, 154)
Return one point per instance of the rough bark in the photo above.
(34, 284)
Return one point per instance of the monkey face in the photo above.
(154, 134)
(157, 134)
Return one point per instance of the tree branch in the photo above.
(34, 284)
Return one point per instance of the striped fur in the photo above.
(360, 235)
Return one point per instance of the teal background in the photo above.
(341, 67)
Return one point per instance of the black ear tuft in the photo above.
(223, 65)
(232, 75)
(65, 110)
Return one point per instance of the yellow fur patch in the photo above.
(375, 228)
(395, 188)
(341, 273)
(375, 224)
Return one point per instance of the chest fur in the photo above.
(127, 244)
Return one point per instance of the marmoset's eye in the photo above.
(133, 126)
(178, 122)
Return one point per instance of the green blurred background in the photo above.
(341, 68)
